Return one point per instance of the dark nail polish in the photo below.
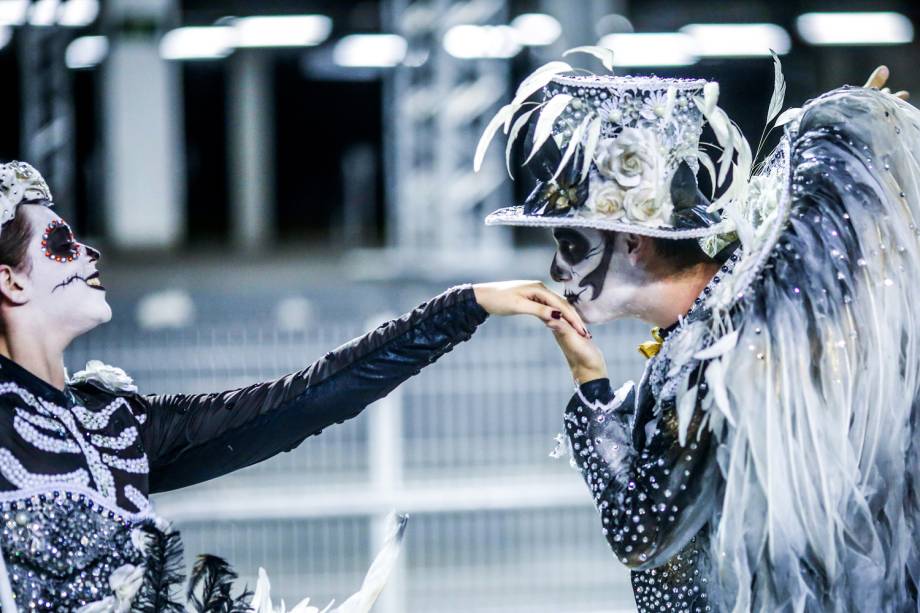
(556, 314)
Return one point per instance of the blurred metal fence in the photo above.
(497, 525)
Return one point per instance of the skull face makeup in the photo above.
(599, 277)
(62, 286)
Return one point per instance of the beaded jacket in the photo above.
(77, 466)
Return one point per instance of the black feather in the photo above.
(215, 577)
(163, 572)
(689, 202)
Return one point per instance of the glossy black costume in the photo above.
(77, 466)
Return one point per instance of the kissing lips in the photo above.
(573, 297)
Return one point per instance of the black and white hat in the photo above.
(618, 152)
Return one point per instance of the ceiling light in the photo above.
(371, 50)
(86, 51)
(473, 42)
(78, 13)
(197, 43)
(738, 39)
(876, 28)
(44, 13)
(651, 49)
(536, 29)
(13, 12)
(282, 30)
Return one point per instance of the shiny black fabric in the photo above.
(195, 438)
(653, 494)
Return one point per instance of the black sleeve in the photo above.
(653, 494)
(193, 438)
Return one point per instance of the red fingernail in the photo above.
(556, 314)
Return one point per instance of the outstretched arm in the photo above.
(193, 438)
(652, 492)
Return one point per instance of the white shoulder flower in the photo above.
(110, 377)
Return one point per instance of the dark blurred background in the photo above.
(321, 127)
(268, 178)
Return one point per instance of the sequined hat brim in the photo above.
(514, 216)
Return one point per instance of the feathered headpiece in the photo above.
(619, 152)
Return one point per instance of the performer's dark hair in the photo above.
(14, 241)
(685, 253)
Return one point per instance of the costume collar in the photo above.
(697, 311)
(39, 387)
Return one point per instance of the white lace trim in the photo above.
(615, 83)
(619, 396)
(514, 216)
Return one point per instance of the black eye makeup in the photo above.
(573, 247)
(58, 242)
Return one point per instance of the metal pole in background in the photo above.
(250, 136)
(47, 103)
(436, 106)
(142, 128)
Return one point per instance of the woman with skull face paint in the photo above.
(79, 457)
(765, 460)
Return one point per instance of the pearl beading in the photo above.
(98, 420)
(125, 439)
(17, 474)
(41, 421)
(100, 465)
(136, 497)
(129, 465)
(44, 442)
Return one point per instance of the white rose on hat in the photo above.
(630, 157)
(606, 198)
(643, 205)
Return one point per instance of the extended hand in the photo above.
(877, 80)
(527, 298)
(585, 359)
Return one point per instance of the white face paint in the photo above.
(600, 278)
(64, 287)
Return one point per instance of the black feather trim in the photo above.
(163, 572)
(215, 578)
